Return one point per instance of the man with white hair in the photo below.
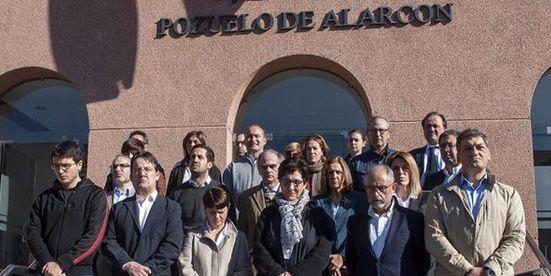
(385, 239)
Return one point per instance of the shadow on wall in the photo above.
(211, 7)
(94, 44)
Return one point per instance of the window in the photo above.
(541, 137)
(295, 103)
(34, 116)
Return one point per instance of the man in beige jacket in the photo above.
(474, 225)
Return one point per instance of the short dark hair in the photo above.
(210, 153)
(446, 134)
(132, 144)
(435, 113)
(67, 149)
(469, 134)
(291, 165)
(147, 156)
(357, 130)
(216, 198)
(141, 133)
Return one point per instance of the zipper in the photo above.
(65, 201)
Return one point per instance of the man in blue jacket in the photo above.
(385, 239)
(67, 221)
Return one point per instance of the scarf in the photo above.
(291, 225)
(315, 168)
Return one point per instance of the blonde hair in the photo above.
(293, 146)
(414, 185)
(347, 177)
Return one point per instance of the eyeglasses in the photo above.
(63, 166)
(447, 146)
(146, 169)
(122, 166)
(381, 189)
(288, 183)
(379, 130)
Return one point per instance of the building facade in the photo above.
(93, 72)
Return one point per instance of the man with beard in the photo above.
(378, 135)
(475, 224)
(190, 194)
(243, 174)
(448, 151)
(385, 239)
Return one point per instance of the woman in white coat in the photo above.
(216, 248)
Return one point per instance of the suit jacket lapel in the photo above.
(364, 228)
(326, 206)
(133, 210)
(152, 216)
(395, 222)
(346, 204)
(258, 198)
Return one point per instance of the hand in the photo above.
(136, 269)
(285, 274)
(336, 272)
(477, 271)
(335, 262)
(52, 269)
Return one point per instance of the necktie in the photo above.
(432, 164)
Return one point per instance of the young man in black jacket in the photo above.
(67, 221)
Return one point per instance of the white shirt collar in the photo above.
(455, 170)
(205, 183)
(150, 198)
(403, 203)
(222, 234)
(275, 189)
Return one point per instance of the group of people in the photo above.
(378, 211)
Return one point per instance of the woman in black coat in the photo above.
(293, 236)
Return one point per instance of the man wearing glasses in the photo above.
(385, 239)
(68, 220)
(120, 169)
(428, 157)
(378, 135)
(144, 235)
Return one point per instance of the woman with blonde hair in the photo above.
(314, 152)
(406, 177)
(292, 150)
(339, 202)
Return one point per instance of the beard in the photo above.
(380, 205)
